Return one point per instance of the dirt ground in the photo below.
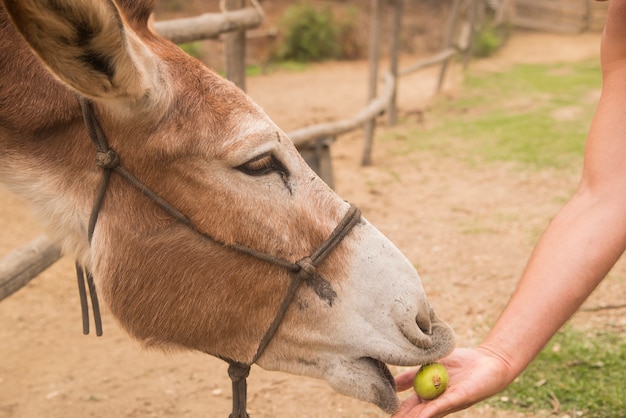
(469, 230)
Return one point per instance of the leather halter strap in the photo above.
(302, 270)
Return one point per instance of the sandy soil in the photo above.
(469, 230)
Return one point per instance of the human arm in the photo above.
(575, 253)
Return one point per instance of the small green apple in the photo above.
(431, 380)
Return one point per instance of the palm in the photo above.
(474, 376)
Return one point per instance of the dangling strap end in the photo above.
(82, 293)
(85, 276)
(238, 373)
(95, 305)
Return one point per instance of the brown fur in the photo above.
(165, 284)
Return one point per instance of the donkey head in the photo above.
(206, 148)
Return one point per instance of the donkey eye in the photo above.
(263, 164)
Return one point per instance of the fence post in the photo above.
(235, 50)
(448, 39)
(374, 54)
(503, 13)
(394, 51)
(476, 11)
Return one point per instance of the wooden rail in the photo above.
(569, 16)
(302, 136)
(438, 58)
(22, 265)
(208, 25)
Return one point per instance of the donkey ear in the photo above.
(86, 45)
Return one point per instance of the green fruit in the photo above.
(431, 380)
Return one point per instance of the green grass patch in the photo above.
(578, 374)
(290, 66)
(252, 70)
(534, 115)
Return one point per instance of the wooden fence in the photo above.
(209, 25)
(568, 16)
(313, 142)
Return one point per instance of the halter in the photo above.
(303, 269)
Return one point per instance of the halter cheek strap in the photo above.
(306, 269)
(302, 270)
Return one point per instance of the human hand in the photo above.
(475, 374)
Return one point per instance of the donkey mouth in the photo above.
(384, 372)
(383, 383)
(382, 380)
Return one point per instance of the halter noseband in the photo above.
(303, 269)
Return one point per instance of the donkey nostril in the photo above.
(423, 321)
(417, 323)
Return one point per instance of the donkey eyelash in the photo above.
(261, 165)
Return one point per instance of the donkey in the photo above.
(204, 147)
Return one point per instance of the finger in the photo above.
(407, 406)
(404, 380)
(451, 401)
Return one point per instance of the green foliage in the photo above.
(487, 41)
(193, 49)
(579, 374)
(314, 34)
(532, 115)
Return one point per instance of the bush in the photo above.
(487, 41)
(310, 34)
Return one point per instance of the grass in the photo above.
(533, 115)
(578, 374)
(289, 66)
